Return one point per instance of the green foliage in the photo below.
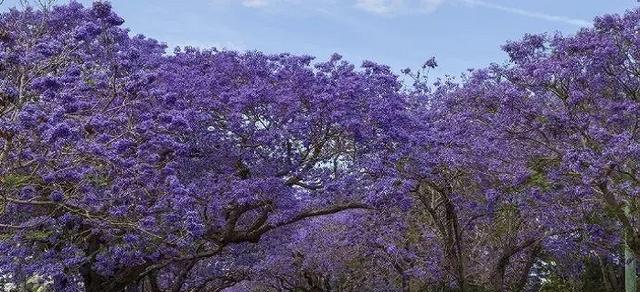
(14, 180)
(506, 217)
(596, 276)
(38, 235)
(538, 178)
(558, 284)
(99, 181)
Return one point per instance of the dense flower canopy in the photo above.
(127, 168)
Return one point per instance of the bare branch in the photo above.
(315, 213)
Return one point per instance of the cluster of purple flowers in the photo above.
(126, 168)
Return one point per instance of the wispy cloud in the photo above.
(246, 3)
(392, 7)
(428, 6)
(255, 3)
(404, 7)
(379, 6)
(527, 13)
(275, 4)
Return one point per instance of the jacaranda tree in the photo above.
(124, 167)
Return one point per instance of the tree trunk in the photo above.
(531, 260)
(93, 282)
(497, 277)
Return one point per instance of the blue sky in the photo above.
(461, 34)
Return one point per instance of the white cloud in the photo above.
(391, 7)
(429, 6)
(403, 7)
(527, 13)
(380, 6)
(245, 3)
(255, 3)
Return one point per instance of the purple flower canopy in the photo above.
(123, 167)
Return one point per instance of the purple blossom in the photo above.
(56, 196)
(122, 166)
(431, 63)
